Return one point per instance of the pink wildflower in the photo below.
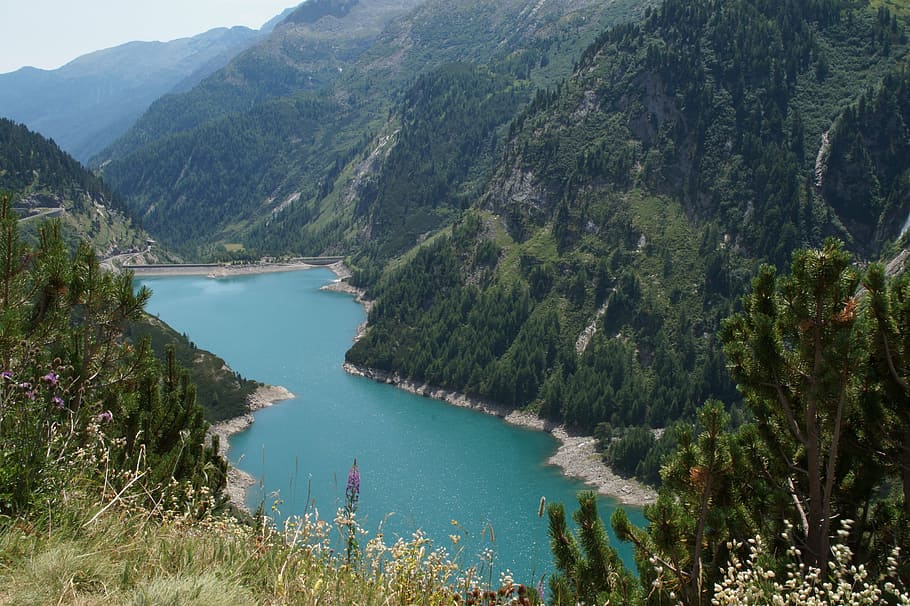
(51, 378)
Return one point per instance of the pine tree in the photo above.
(796, 352)
(68, 377)
(592, 572)
(889, 345)
(706, 484)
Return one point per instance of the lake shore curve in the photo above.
(576, 456)
(239, 481)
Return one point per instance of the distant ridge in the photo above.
(314, 10)
(46, 182)
(92, 100)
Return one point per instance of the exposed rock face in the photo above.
(520, 198)
(584, 339)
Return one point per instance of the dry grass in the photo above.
(125, 557)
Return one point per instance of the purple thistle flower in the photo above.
(105, 417)
(51, 378)
(541, 592)
(30, 395)
(352, 492)
(6, 374)
(25, 385)
(58, 401)
(352, 495)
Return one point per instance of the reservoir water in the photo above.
(423, 463)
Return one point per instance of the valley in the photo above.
(657, 229)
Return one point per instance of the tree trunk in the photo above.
(905, 471)
(816, 541)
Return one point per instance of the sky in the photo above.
(51, 33)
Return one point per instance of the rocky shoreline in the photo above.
(341, 285)
(239, 481)
(576, 455)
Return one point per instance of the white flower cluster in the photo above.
(408, 571)
(750, 583)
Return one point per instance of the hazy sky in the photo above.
(50, 33)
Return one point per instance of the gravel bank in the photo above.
(238, 481)
(576, 455)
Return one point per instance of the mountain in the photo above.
(272, 23)
(630, 205)
(316, 107)
(573, 249)
(731, 129)
(91, 101)
(45, 181)
(302, 52)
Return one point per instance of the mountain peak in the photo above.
(314, 10)
(93, 99)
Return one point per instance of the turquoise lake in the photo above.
(423, 463)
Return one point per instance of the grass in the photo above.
(125, 559)
(668, 235)
(128, 557)
(540, 245)
(898, 7)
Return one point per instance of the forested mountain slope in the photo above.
(264, 179)
(46, 181)
(91, 101)
(43, 183)
(633, 201)
(308, 50)
(725, 110)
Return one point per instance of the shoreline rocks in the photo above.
(239, 481)
(576, 455)
(341, 285)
